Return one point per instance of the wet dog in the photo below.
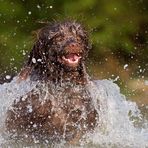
(60, 108)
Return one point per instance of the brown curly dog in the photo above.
(60, 108)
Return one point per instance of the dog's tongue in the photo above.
(72, 57)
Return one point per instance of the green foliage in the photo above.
(114, 25)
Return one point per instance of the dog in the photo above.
(60, 108)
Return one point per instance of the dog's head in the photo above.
(64, 44)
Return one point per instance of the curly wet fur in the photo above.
(49, 46)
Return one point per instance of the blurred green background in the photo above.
(118, 33)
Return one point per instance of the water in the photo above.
(119, 117)
(120, 122)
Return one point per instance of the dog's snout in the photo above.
(73, 45)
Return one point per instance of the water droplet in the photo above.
(33, 60)
(39, 60)
(38, 6)
(34, 125)
(115, 9)
(29, 12)
(8, 77)
(125, 66)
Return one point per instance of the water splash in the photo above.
(8, 93)
(118, 118)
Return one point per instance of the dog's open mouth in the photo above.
(71, 58)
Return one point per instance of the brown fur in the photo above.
(60, 108)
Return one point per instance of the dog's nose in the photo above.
(73, 45)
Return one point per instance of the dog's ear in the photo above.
(39, 52)
(36, 56)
